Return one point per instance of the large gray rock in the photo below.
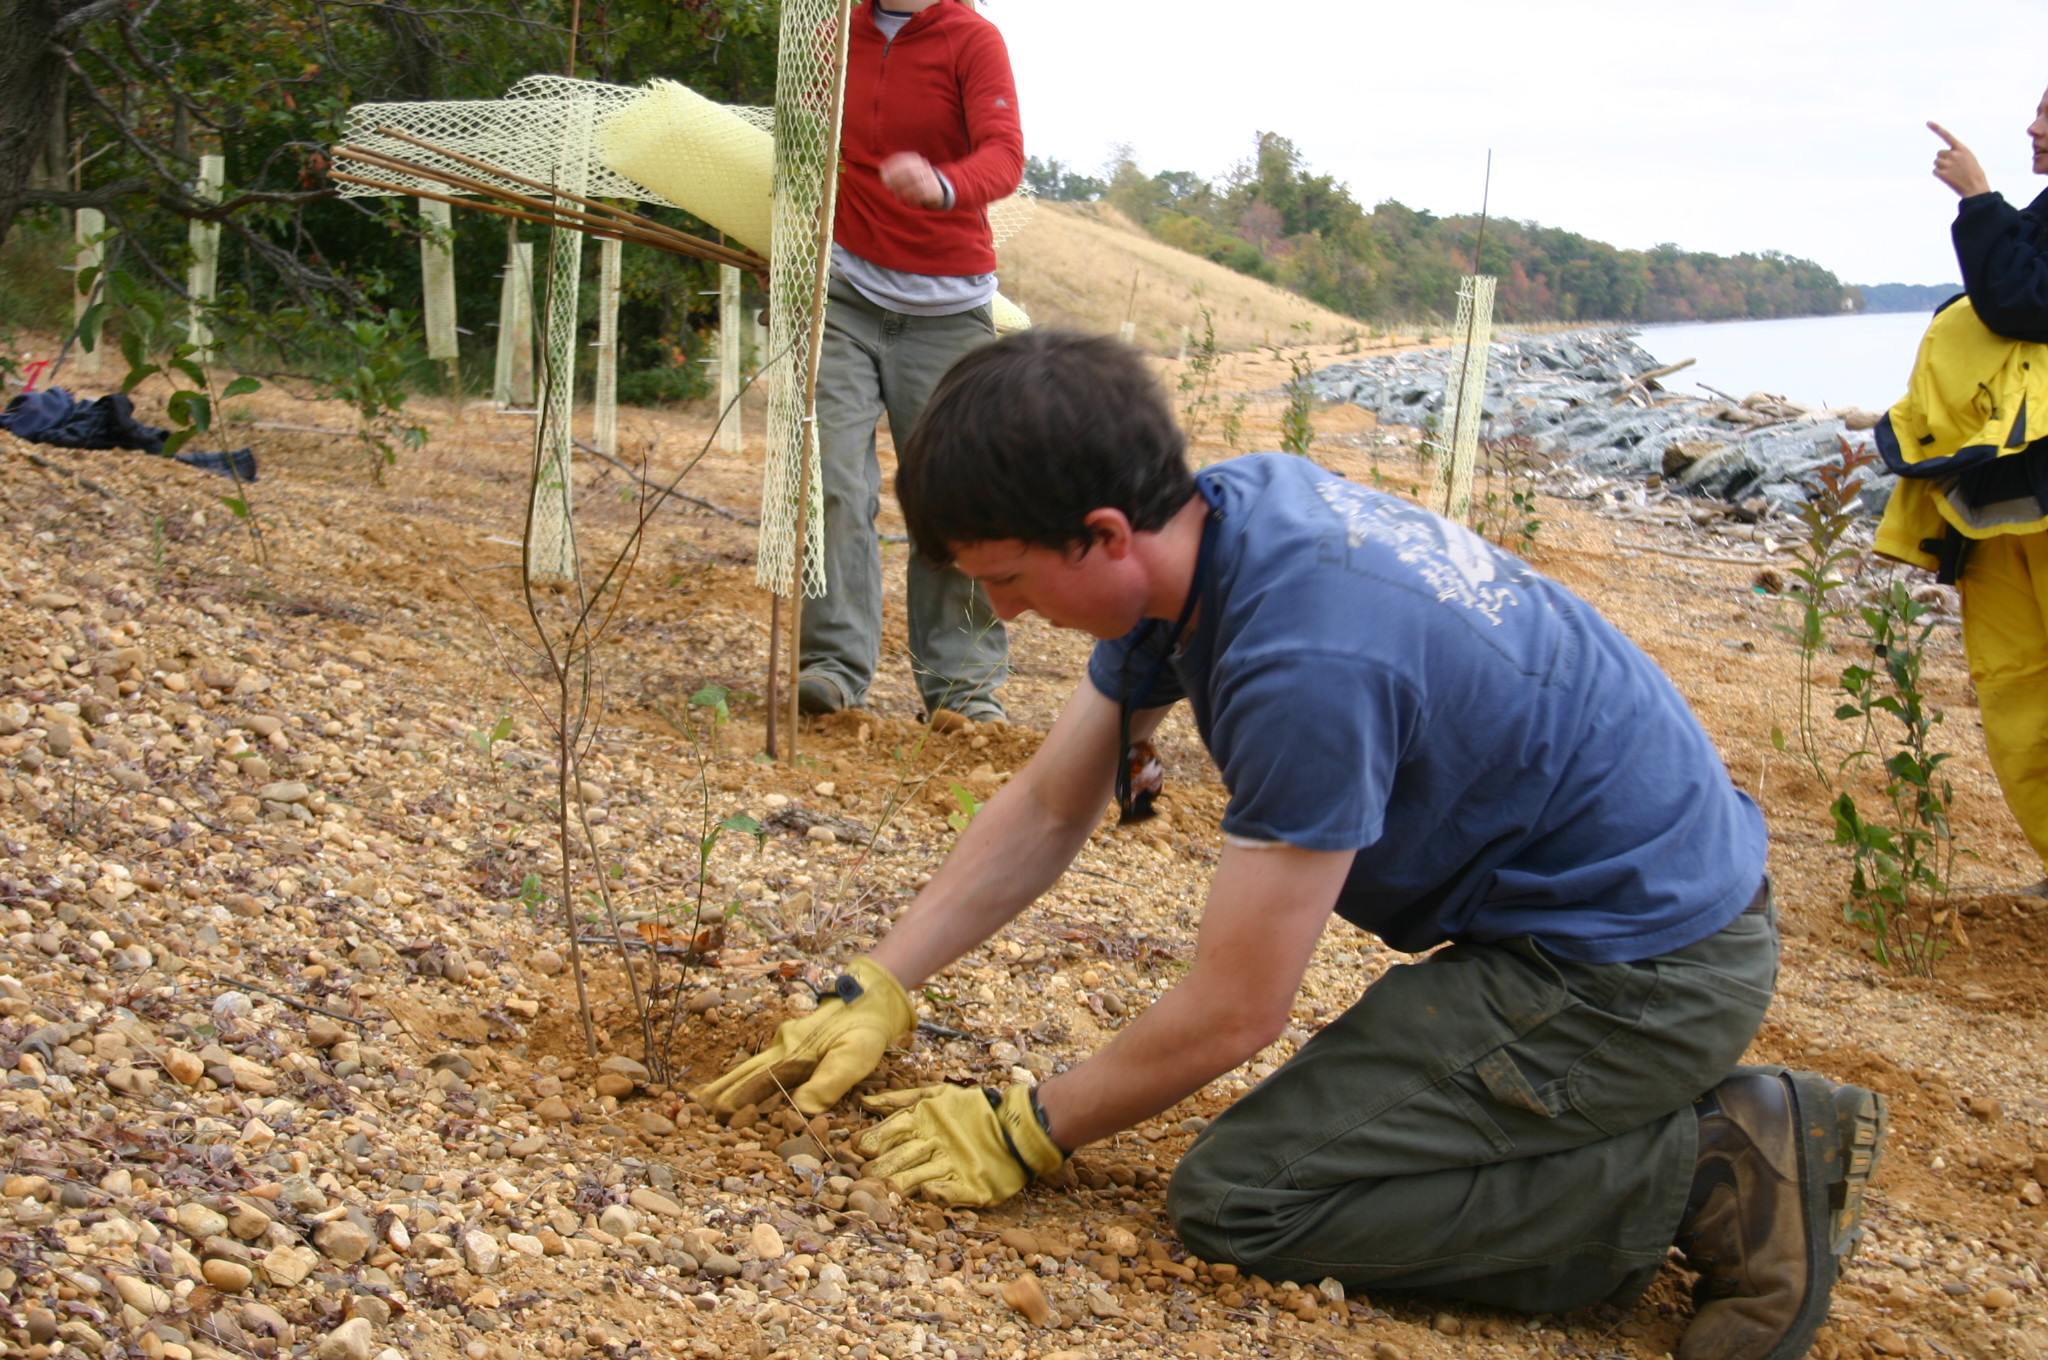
(1570, 395)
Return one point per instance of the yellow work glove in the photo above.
(959, 1145)
(828, 1050)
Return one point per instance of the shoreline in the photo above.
(1582, 395)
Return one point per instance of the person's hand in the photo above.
(911, 178)
(828, 1050)
(959, 1145)
(1956, 165)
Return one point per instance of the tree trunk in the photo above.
(416, 64)
(31, 76)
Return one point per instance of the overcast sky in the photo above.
(1793, 125)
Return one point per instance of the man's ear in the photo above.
(1109, 530)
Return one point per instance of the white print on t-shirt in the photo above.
(1453, 561)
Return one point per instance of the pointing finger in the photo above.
(1944, 134)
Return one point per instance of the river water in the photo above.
(1861, 360)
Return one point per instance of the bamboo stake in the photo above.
(769, 744)
(747, 259)
(544, 219)
(621, 224)
(828, 203)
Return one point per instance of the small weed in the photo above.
(1819, 574)
(375, 387)
(1903, 861)
(1197, 385)
(1506, 511)
(486, 739)
(966, 805)
(1233, 421)
(149, 335)
(1297, 421)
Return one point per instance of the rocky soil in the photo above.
(289, 1026)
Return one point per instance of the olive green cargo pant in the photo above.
(1491, 1124)
(874, 361)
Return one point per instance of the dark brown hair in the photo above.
(1025, 436)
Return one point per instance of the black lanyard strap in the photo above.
(1136, 805)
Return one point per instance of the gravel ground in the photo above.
(289, 1027)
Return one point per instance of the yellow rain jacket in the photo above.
(1976, 400)
(1975, 397)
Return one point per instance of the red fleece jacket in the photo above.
(942, 89)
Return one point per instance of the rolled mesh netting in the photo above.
(702, 157)
(522, 133)
(756, 174)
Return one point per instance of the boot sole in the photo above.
(1861, 1117)
(1841, 1130)
(1841, 1133)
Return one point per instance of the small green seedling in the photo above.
(966, 806)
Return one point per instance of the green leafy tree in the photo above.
(145, 89)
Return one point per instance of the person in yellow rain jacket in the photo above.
(1970, 445)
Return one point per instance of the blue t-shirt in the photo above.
(1370, 677)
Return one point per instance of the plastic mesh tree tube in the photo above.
(513, 384)
(604, 416)
(1464, 399)
(550, 527)
(203, 273)
(809, 78)
(437, 279)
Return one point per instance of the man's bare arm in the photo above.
(1018, 844)
(1266, 909)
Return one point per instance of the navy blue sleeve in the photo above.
(1118, 668)
(2003, 252)
(1308, 746)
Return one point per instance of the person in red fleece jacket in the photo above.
(931, 137)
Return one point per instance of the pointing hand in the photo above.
(1956, 165)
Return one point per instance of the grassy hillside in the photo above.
(1075, 263)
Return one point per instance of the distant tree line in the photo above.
(1903, 297)
(108, 104)
(1273, 218)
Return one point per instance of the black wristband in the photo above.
(846, 987)
(1045, 1124)
(995, 1104)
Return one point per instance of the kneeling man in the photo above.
(1426, 737)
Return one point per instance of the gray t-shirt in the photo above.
(913, 294)
(891, 21)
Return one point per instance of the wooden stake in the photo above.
(607, 223)
(769, 745)
(731, 317)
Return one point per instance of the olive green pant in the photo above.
(875, 361)
(1491, 1123)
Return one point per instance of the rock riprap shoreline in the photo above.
(1591, 396)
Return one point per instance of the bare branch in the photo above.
(89, 13)
(99, 197)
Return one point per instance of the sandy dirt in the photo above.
(406, 1022)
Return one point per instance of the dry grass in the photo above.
(1075, 263)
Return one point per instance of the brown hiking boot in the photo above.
(1776, 1207)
